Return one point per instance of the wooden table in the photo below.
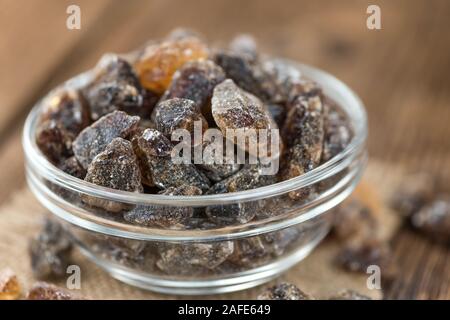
(401, 73)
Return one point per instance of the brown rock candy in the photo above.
(116, 168)
(154, 152)
(357, 257)
(50, 251)
(415, 191)
(72, 167)
(159, 62)
(285, 77)
(433, 219)
(115, 87)
(176, 114)
(94, 139)
(54, 141)
(246, 73)
(302, 87)
(46, 291)
(191, 258)
(284, 291)
(9, 285)
(249, 177)
(278, 113)
(164, 216)
(337, 132)
(123, 251)
(249, 252)
(230, 214)
(195, 81)
(67, 108)
(278, 242)
(217, 170)
(354, 219)
(233, 108)
(303, 131)
(63, 115)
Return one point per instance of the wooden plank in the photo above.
(33, 40)
(12, 165)
(423, 268)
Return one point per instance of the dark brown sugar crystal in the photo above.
(229, 214)
(54, 141)
(195, 81)
(415, 191)
(154, 152)
(433, 219)
(164, 216)
(249, 177)
(217, 170)
(284, 291)
(72, 167)
(285, 77)
(116, 167)
(249, 251)
(337, 133)
(50, 251)
(278, 242)
(94, 139)
(247, 73)
(115, 87)
(359, 256)
(304, 133)
(278, 113)
(233, 108)
(120, 250)
(177, 113)
(67, 108)
(192, 258)
(64, 114)
(354, 219)
(46, 291)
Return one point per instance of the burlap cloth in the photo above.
(20, 219)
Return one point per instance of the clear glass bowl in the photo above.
(204, 259)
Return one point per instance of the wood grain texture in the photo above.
(33, 42)
(400, 72)
(424, 268)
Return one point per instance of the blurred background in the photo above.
(401, 72)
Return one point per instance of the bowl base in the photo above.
(229, 283)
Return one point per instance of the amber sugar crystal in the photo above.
(159, 62)
(9, 285)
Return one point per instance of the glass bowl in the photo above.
(203, 259)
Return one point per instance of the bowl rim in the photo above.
(353, 107)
